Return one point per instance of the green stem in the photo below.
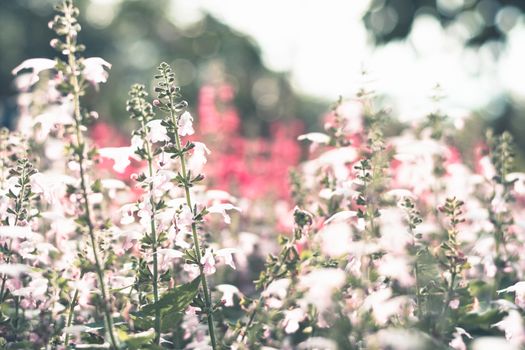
(71, 313)
(18, 207)
(154, 244)
(87, 211)
(205, 289)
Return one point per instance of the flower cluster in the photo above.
(395, 240)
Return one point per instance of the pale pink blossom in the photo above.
(276, 292)
(398, 268)
(94, 71)
(156, 131)
(512, 325)
(228, 292)
(226, 255)
(343, 215)
(120, 156)
(37, 65)
(222, 209)
(519, 290)
(14, 270)
(316, 137)
(454, 304)
(20, 232)
(52, 118)
(145, 212)
(128, 213)
(383, 306)
(320, 284)
(185, 216)
(219, 196)
(185, 124)
(167, 256)
(292, 318)
(457, 342)
(198, 159)
(335, 239)
(208, 262)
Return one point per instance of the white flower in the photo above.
(36, 289)
(292, 318)
(341, 216)
(400, 193)
(37, 65)
(319, 286)
(512, 325)
(157, 132)
(219, 195)
(457, 342)
(226, 255)
(53, 116)
(119, 155)
(128, 213)
(228, 291)
(94, 70)
(519, 289)
(519, 182)
(51, 185)
(316, 137)
(336, 239)
(14, 270)
(208, 262)
(198, 159)
(19, 232)
(185, 124)
(221, 208)
(276, 292)
(398, 268)
(167, 256)
(185, 217)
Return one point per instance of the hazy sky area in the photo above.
(324, 46)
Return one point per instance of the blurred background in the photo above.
(287, 61)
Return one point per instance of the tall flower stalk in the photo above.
(168, 94)
(20, 211)
(66, 26)
(142, 111)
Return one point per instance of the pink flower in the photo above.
(519, 289)
(228, 291)
(457, 342)
(37, 65)
(276, 292)
(94, 70)
(341, 216)
(168, 256)
(208, 262)
(320, 284)
(335, 239)
(316, 137)
(119, 155)
(157, 132)
(226, 255)
(512, 325)
(454, 304)
(53, 118)
(198, 158)
(292, 318)
(221, 209)
(128, 213)
(185, 124)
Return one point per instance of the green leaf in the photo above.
(138, 340)
(176, 299)
(172, 305)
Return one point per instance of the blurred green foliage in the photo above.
(135, 38)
